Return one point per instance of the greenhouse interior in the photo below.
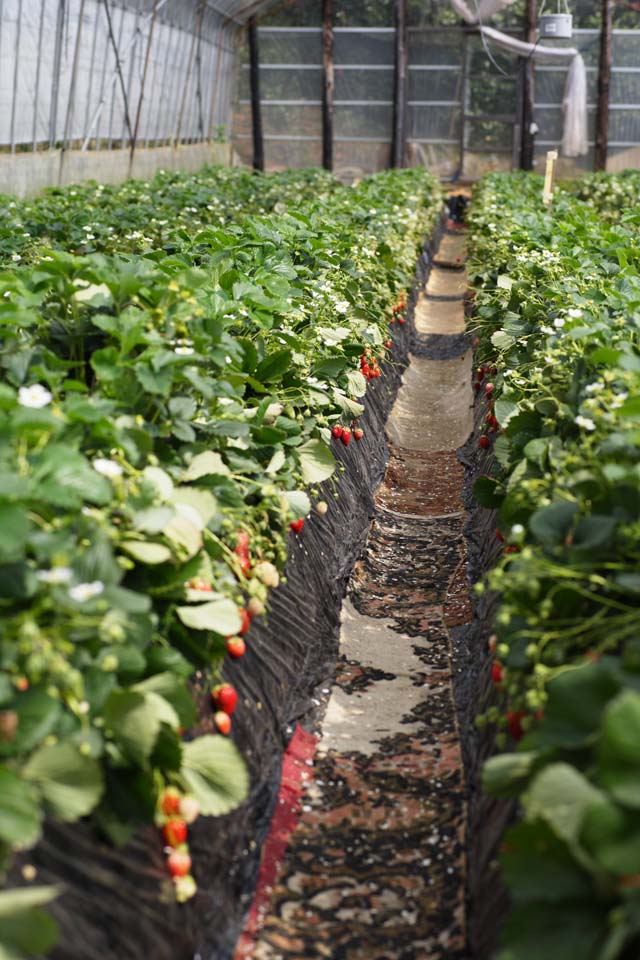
(320, 479)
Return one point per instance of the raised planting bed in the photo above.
(557, 439)
(169, 422)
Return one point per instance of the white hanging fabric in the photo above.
(574, 138)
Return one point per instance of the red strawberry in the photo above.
(484, 442)
(358, 434)
(336, 431)
(243, 542)
(222, 721)
(514, 723)
(297, 525)
(489, 389)
(497, 672)
(476, 387)
(402, 319)
(245, 620)
(512, 549)
(179, 863)
(480, 373)
(388, 344)
(236, 647)
(170, 802)
(174, 832)
(225, 698)
(346, 436)
(499, 536)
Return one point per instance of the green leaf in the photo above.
(630, 408)
(134, 727)
(550, 525)
(206, 464)
(504, 410)
(70, 783)
(273, 366)
(277, 461)
(505, 774)
(25, 929)
(619, 748)
(37, 717)
(488, 492)
(577, 699)
(147, 552)
(612, 836)
(221, 616)
(357, 383)
(214, 772)
(14, 524)
(559, 795)
(538, 866)
(19, 810)
(317, 461)
(173, 689)
(298, 502)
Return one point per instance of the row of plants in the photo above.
(165, 420)
(556, 311)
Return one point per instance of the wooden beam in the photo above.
(256, 112)
(528, 91)
(604, 84)
(399, 143)
(328, 84)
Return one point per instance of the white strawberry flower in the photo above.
(35, 396)
(585, 422)
(55, 575)
(108, 468)
(86, 591)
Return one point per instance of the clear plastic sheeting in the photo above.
(99, 74)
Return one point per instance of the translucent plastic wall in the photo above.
(463, 101)
(98, 74)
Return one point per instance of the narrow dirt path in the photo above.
(366, 856)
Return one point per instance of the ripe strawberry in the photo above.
(499, 536)
(497, 672)
(388, 344)
(346, 436)
(358, 434)
(476, 387)
(512, 549)
(480, 373)
(170, 802)
(484, 442)
(225, 698)
(179, 863)
(236, 647)
(174, 832)
(488, 389)
(514, 723)
(297, 525)
(243, 541)
(222, 721)
(336, 431)
(402, 320)
(245, 620)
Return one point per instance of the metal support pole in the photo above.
(142, 85)
(72, 91)
(14, 101)
(116, 51)
(604, 84)
(187, 81)
(399, 143)
(137, 35)
(36, 93)
(256, 113)
(55, 79)
(328, 84)
(528, 90)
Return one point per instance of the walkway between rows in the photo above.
(366, 857)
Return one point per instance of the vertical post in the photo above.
(528, 90)
(36, 92)
(143, 81)
(328, 84)
(14, 101)
(604, 83)
(465, 98)
(55, 79)
(198, 25)
(66, 136)
(256, 112)
(399, 142)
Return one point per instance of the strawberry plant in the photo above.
(556, 310)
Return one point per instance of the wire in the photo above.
(484, 43)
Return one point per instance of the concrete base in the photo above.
(26, 174)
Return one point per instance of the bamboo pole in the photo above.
(604, 85)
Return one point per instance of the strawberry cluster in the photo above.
(176, 811)
(369, 364)
(225, 700)
(397, 311)
(491, 420)
(338, 432)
